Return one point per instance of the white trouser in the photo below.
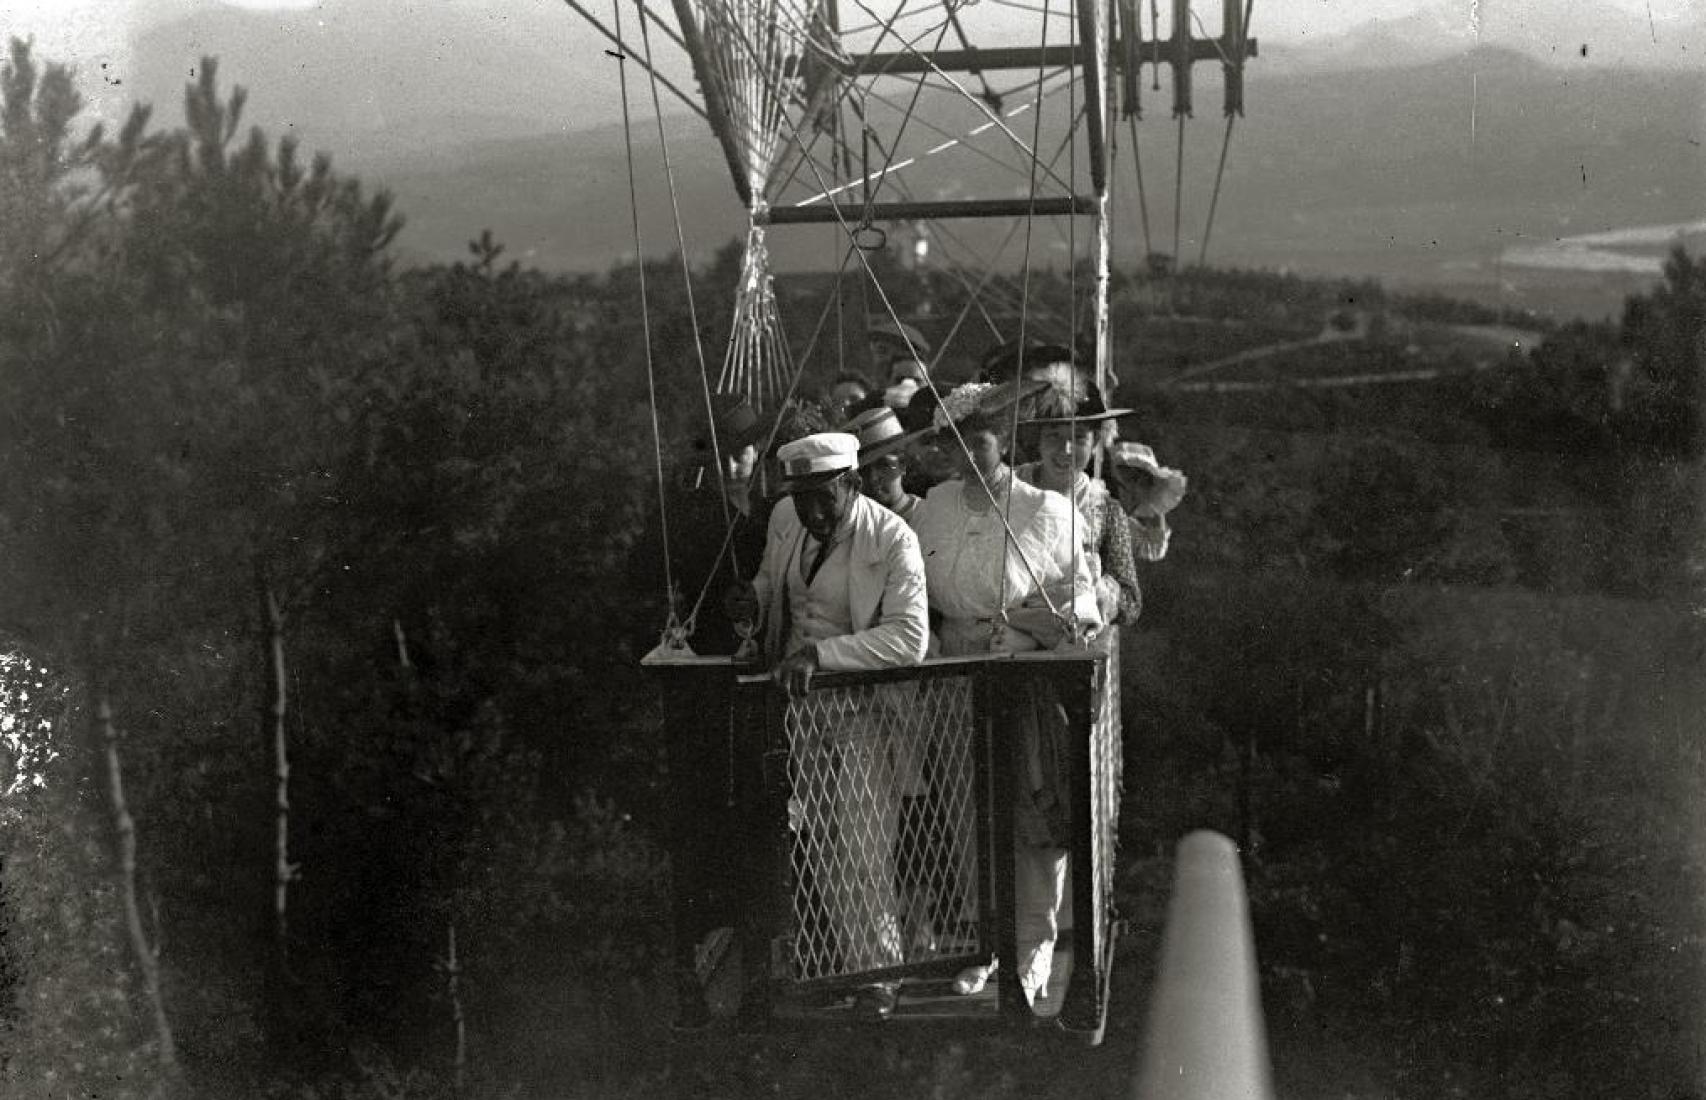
(1039, 885)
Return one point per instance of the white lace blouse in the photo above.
(964, 562)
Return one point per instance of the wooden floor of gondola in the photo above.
(922, 1000)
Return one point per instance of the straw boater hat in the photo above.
(815, 460)
(1138, 456)
(879, 432)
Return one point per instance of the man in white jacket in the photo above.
(841, 588)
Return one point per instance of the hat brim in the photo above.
(807, 482)
(1173, 483)
(1086, 418)
(1003, 396)
(889, 446)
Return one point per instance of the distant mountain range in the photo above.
(1582, 35)
(1392, 151)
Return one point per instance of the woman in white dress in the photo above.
(1070, 422)
(1003, 575)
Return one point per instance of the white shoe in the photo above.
(1033, 979)
(973, 978)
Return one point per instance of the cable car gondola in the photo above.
(816, 105)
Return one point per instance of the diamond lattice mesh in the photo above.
(1106, 761)
(883, 816)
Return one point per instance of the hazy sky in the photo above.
(95, 27)
(92, 33)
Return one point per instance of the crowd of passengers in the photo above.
(889, 524)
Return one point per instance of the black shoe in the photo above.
(876, 1002)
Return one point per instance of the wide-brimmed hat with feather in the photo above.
(1072, 396)
(988, 399)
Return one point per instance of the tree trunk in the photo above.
(147, 959)
(283, 870)
(275, 746)
(453, 983)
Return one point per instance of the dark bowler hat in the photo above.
(737, 426)
(899, 332)
(879, 432)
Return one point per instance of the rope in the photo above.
(833, 52)
(1142, 196)
(770, 439)
(877, 24)
(687, 281)
(673, 635)
(989, 95)
(1072, 311)
(947, 235)
(998, 630)
(929, 381)
(1178, 187)
(968, 96)
(906, 119)
(1214, 200)
(622, 47)
(962, 141)
(851, 232)
(1226, 139)
(1033, 9)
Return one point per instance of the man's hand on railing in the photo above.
(794, 673)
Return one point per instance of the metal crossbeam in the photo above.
(1023, 57)
(856, 212)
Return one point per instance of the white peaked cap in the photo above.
(823, 453)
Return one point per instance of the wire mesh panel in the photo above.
(882, 812)
(1107, 758)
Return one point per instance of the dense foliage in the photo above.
(369, 552)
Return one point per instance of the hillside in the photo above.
(1424, 176)
(1398, 150)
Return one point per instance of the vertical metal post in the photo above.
(984, 769)
(1093, 34)
(1232, 42)
(1075, 685)
(1101, 250)
(1181, 57)
(760, 715)
(705, 836)
(1007, 685)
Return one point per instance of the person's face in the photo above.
(883, 351)
(935, 456)
(1135, 485)
(822, 509)
(846, 394)
(985, 449)
(1065, 448)
(738, 466)
(881, 479)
